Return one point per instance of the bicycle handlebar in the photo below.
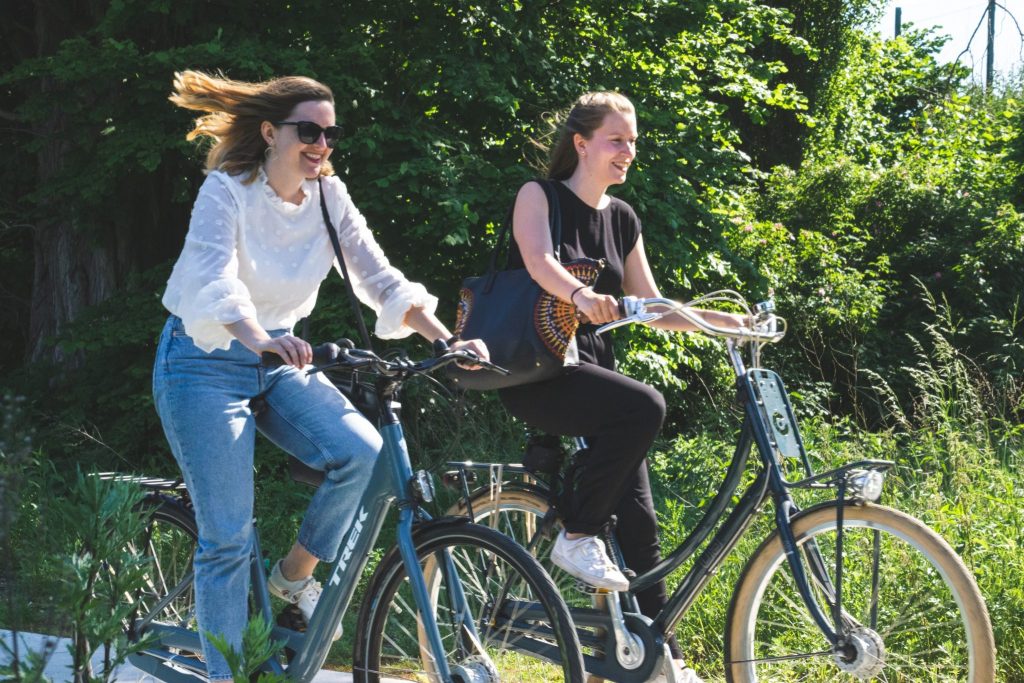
(765, 326)
(344, 355)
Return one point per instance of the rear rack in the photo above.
(149, 483)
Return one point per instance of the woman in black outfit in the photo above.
(619, 416)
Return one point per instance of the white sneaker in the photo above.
(304, 593)
(688, 675)
(682, 674)
(585, 559)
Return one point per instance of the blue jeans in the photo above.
(203, 400)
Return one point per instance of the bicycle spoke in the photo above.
(498, 633)
(876, 560)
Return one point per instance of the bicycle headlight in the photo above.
(865, 485)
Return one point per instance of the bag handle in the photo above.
(353, 301)
(554, 221)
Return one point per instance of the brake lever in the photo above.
(488, 365)
(474, 359)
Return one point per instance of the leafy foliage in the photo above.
(441, 102)
(784, 150)
(97, 526)
(257, 648)
(848, 238)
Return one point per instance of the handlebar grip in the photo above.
(440, 347)
(323, 354)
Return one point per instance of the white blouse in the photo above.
(250, 254)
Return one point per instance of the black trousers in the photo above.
(619, 417)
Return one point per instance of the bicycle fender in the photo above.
(774, 535)
(420, 528)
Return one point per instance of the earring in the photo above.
(269, 153)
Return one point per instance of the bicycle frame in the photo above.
(391, 483)
(771, 483)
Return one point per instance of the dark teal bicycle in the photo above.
(843, 590)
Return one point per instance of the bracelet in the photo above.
(573, 295)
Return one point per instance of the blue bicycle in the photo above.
(452, 601)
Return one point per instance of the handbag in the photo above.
(528, 331)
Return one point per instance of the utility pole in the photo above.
(990, 58)
(899, 21)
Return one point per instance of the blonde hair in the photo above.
(586, 116)
(236, 109)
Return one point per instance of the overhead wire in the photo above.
(981, 20)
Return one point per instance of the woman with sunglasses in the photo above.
(256, 252)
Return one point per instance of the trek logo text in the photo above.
(346, 555)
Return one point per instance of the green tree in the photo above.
(441, 102)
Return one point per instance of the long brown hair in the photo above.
(586, 116)
(236, 109)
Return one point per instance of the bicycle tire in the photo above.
(500, 580)
(519, 514)
(168, 546)
(918, 596)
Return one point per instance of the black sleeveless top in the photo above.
(609, 233)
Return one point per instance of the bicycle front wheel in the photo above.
(911, 609)
(500, 618)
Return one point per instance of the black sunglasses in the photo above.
(310, 132)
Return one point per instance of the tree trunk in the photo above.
(71, 269)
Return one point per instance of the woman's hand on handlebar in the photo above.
(294, 351)
(596, 308)
(291, 349)
(476, 346)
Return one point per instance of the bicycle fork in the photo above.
(394, 446)
(784, 511)
(817, 573)
(413, 571)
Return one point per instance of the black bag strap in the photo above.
(364, 335)
(554, 221)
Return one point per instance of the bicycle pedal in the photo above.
(291, 618)
(590, 590)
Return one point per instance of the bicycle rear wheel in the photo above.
(520, 515)
(512, 626)
(168, 544)
(912, 611)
